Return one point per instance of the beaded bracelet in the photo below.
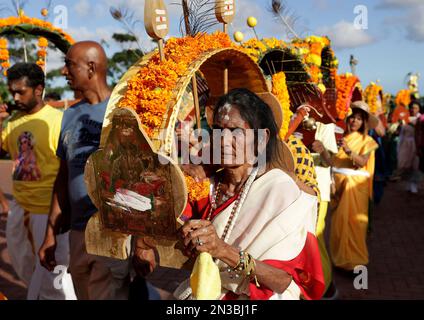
(246, 265)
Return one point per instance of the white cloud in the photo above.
(54, 59)
(82, 8)
(98, 34)
(387, 4)
(415, 25)
(345, 35)
(408, 21)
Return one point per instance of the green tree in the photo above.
(122, 60)
(17, 54)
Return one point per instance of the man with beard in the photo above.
(31, 137)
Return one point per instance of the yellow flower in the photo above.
(314, 59)
(279, 89)
(3, 43)
(197, 190)
(43, 42)
(322, 88)
(371, 94)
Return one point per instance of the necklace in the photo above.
(237, 205)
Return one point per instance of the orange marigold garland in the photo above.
(42, 52)
(4, 56)
(23, 19)
(403, 97)
(279, 89)
(257, 48)
(197, 190)
(149, 91)
(345, 85)
(309, 51)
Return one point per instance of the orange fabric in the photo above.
(400, 114)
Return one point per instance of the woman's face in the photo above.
(415, 110)
(355, 121)
(232, 138)
(24, 144)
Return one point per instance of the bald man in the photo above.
(94, 277)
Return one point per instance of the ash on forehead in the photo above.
(223, 113)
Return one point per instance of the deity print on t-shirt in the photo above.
(25, 165)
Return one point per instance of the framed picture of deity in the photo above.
(136, 190)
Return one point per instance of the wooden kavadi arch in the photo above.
(243, 72)
(282, 59)
(299, 84)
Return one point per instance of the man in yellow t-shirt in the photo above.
(31, 136)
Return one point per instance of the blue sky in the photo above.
(392, 46)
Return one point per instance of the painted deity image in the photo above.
(133, 187)
(26, 168)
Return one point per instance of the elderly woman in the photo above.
(353, 168)
(256, 222)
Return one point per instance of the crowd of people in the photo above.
(263, 225)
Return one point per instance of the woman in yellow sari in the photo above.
(353, 168)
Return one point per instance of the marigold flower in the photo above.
(43, 42)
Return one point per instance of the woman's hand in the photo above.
(346, 147)
(201, 236)
(318, 146)
(144, 259)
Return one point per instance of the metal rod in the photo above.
(256, 35)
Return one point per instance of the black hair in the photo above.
(33, 74)
(364, 116)
(52, 96)
(256, 113)
(417, 103)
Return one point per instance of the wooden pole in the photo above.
(225, 79)
(196, 101)
(161, 53)
(226, 67)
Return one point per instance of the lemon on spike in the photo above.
(44, 12)
(252, 22)
(238, 36)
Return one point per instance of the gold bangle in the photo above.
(251, 269)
